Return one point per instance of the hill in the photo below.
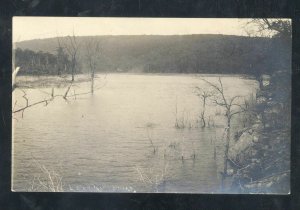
(178, 53)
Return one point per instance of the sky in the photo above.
(27, 28)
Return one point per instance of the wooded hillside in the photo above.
(174, 54)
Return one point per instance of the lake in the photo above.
(123, 137)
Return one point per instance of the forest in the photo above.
(158, 54)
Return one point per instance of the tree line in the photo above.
(173, 54)
(42, 63)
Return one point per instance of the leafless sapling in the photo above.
(72, 47)
(92, 58)
(203, 95)
(231, 108)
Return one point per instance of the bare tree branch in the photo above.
(228, 104)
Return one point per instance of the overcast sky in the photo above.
(26, 28)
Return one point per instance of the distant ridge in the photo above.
(195, 53)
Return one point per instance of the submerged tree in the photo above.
(203, 95)
(92, 58)
(61, 62)
(232, 108)
(72, 46)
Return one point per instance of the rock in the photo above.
(259, 117)
(264, 93)
(255, 138)
(265, 147)
(267, 125)
(254, 152)
(270, 184)
(261, 99)
(230, 172)
(245, 141)
(258, 126)
(255, 160)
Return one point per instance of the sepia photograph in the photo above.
(151, 105)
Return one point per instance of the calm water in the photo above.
(102, 142)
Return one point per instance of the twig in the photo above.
(30, 105)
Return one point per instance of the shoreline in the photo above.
(34, 81)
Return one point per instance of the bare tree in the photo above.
(62, 58)
(72, 47)
(269, 27)
(278, 29)
(92, 58)
(231, 108)
(203, 95)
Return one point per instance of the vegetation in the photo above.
(263, 165)
(232, 107)
(92, 59)
(176, 54)
(256, 157)
(203, 95)
(72, 47)
(42, 63)
(48, 180)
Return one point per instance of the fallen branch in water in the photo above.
(29, 105)
(46, 101)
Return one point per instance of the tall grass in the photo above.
(47, 180)
(154, 178)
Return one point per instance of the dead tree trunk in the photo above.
(72, 47)
(73, 66)
(228, 104)
(227, 146)
(203, 96)
(92, 58)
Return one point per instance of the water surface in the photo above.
(102, 142)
